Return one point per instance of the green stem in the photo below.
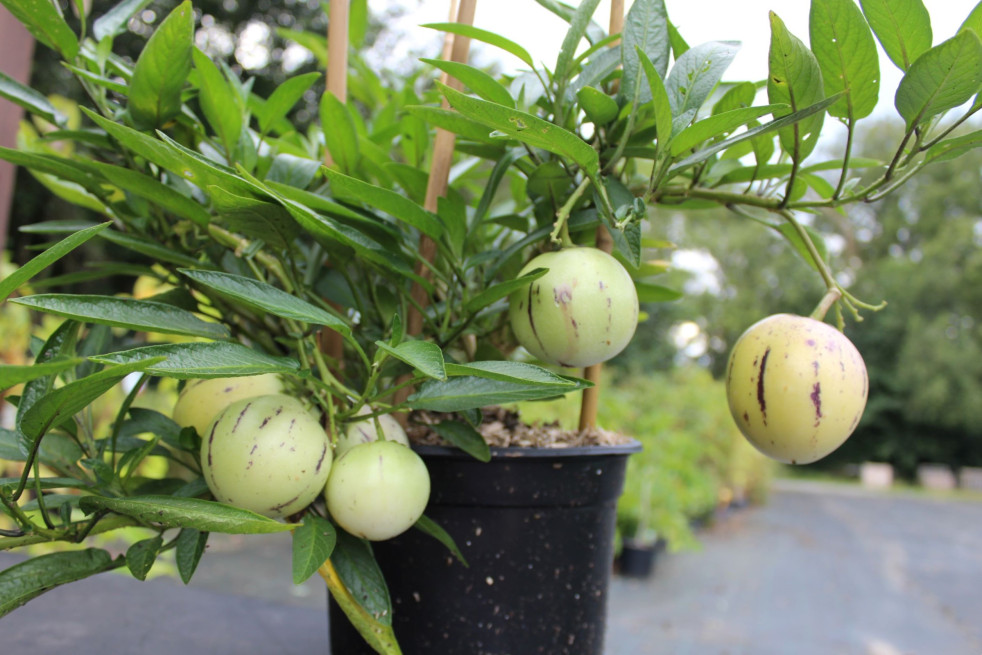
(560, 229)
(847, 156)
(127, 403)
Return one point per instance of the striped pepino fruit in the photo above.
(267, 454)
(796, 387)
(582, 312)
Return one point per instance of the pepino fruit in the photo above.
(267, 454)
(378, 490)
(796, 387)
(364, 431)
(202, 400)
(582, 312)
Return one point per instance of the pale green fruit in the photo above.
(796, 387)
(201, 400)
(267, 454)
(365, 431)
(582, 312)
(378, 490)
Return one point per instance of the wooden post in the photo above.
(16, 54)
(590, 402)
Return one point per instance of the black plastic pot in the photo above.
(536, 527)
(637, 558)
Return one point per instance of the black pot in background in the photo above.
(536, 526)
(638, 557)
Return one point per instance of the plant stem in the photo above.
(560, 229)
(830, 298)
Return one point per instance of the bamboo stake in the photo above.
(590, 402)
(455, 48)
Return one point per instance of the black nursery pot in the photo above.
(536, 526)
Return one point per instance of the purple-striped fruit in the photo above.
(267, 454)
(583, 311)
(378, 490)
(796, 387)
(201, 400)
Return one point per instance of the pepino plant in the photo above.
(341, 268)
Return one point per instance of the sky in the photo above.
(541, 32)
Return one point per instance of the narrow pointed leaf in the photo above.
(190, 547)
(14, 374)
(257, 218)
(717, 125)
(162, 69)
(359, 601)
(31, 578)
(141, 556)
(266, 297)
(210, 359)
(156, 192)
(476, 80)
(218, 101)
(422, 355)
(141, 315)
(497, 292)
(174, 512)
(518, 372)
(113, 22)
(283, 99)
(29, 99)
(795, 80)
(846, 53)
(46, 23)
(486, 37)
(662, 103)
(470, 392)
(452, 121)
(465, 437)
(697, 72)
(578, 23)
(432, 528)
(943, 78)
(313, 543)
(645, 28)
(903, 28)
(388, 201)
(340, 133)
(10, 283)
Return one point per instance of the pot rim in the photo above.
(529, 452)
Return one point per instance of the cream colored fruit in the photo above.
(267, 454)
(796, 387)
(201, 400)
(583, 311)
(365, 431)
(377, 490)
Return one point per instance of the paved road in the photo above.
(820, 570)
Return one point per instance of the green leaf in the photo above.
(517, 372)
(795, 80)
(486, 37)
(7, 484)
(717, 125)
(390, 202)
(476, 80)
(973, 21)
(210, 359)
(62, 344)
(14, 374)
(173, 512)
(10, 283)
(283, 99)
(156, 192)
(43, 19)
(952, 148)
(39, 162)
(266, 297)
(846, 53)
(352, 559)
(527, 128)
(31, 578)
(645, 29)
(313, 543)
(422, 355)
(64, 402)
(697, 72)
(452, 121)
(498, 291)
(942, 78)
(662, 104)
(162, 69)
(789, 232)
(140, 315)
(903, 28)
(469, 392)
(578, 23)
(340, 133)
(650, 293)
(141, 556)
(29, 99)
(429, 526)
(113, 22)
(257, 218)
(190, 547)
(149, 247)
(219, 102)
(465, 437)
(600, 108)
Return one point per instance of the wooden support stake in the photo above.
(16, 55)
(590, 402)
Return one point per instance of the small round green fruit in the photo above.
(583, 311)
(267, 454)
(365, 431)
(796, 387)
(378, 490)
(201, 400)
